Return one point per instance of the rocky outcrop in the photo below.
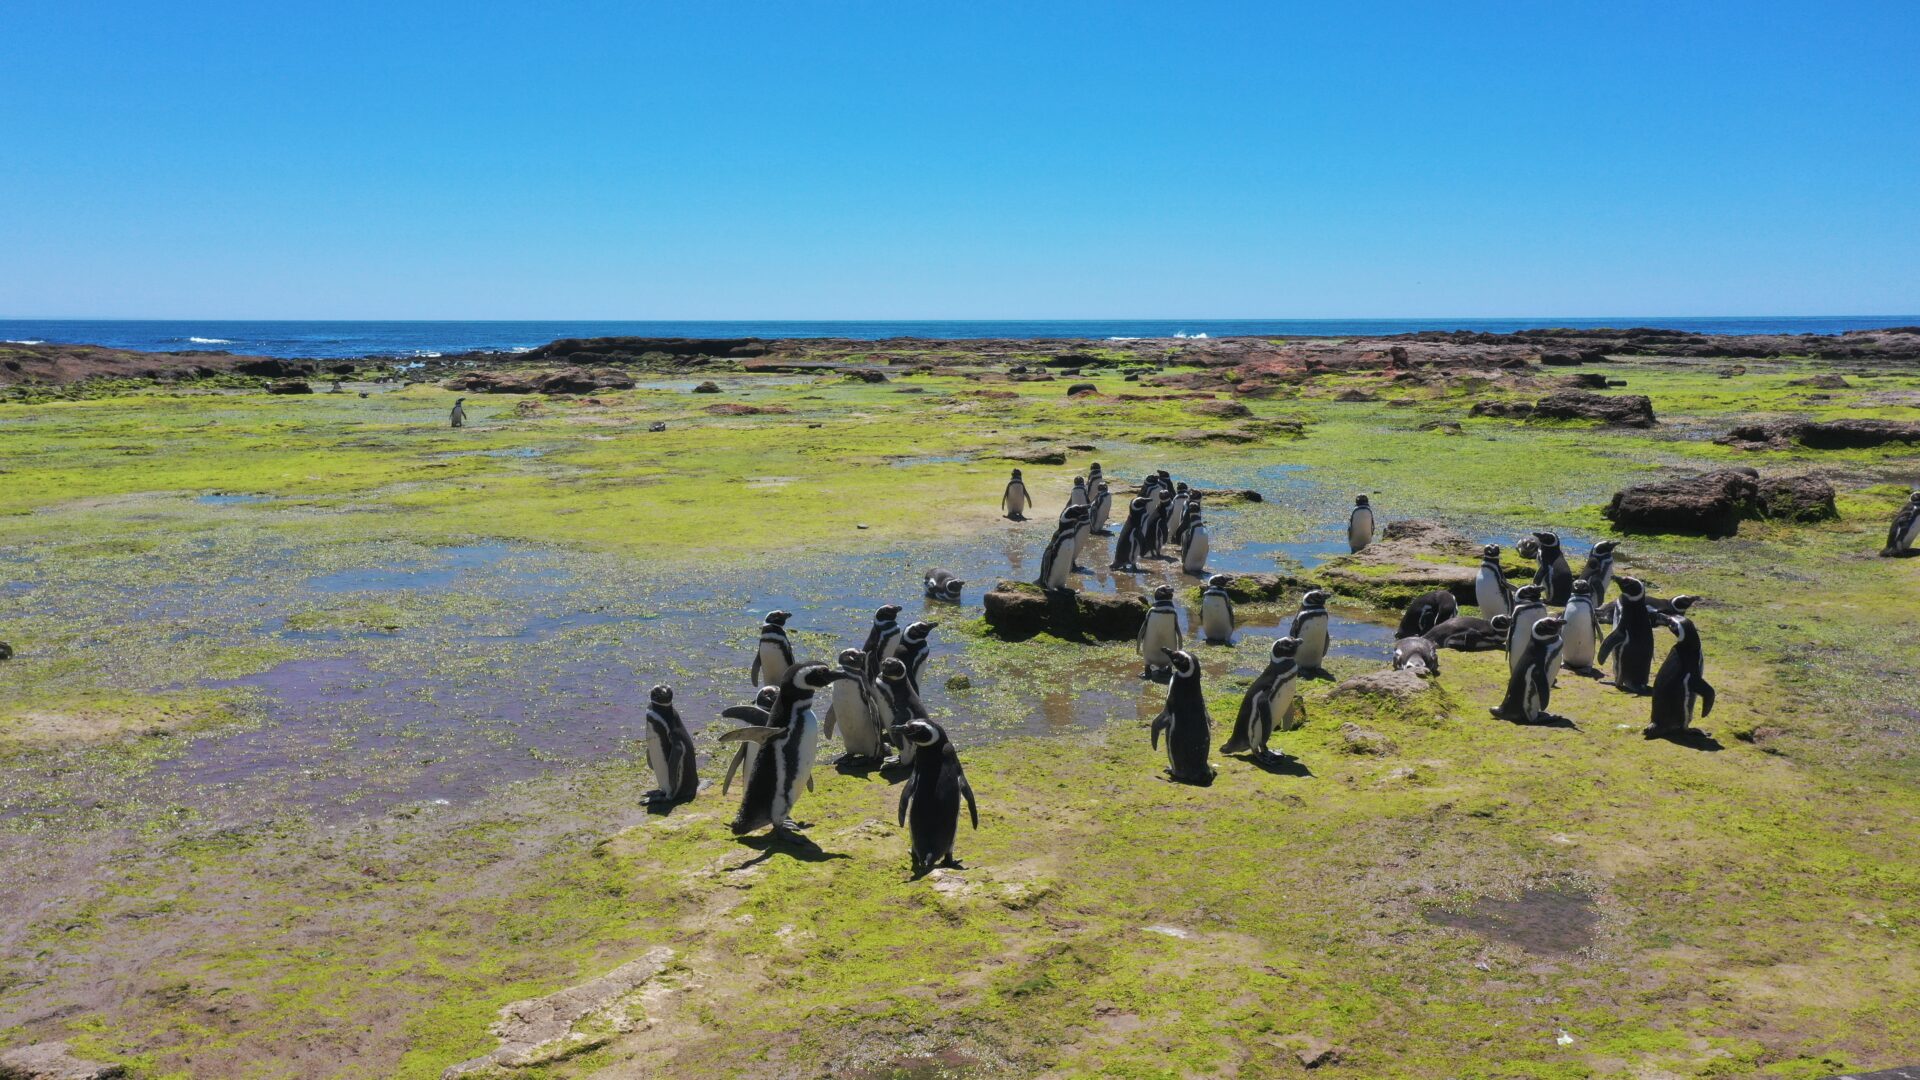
(1715, 503)
(1400, 685)
(1355, 739)
(290, 386)
(53, 1061)
(1017, 610)
(1408, 559)
(1082, 388)
(545, 1030)
(1844, 434)
(1039, 455)
(1226, 410)
(564, 381)
(1262, 588)
(1797, 498)
(1617, 410)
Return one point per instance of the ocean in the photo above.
(422, 339)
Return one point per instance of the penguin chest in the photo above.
(795, 762)
(657, 758)
(857, 724)
(1313, 642)
(1162, 636)
(1912, 536)
(1196, 548)
(1215, 618)
(1280, 706)
(1577, 639)
(773, 662)
(1360, 529)
(1493, 598)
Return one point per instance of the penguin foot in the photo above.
(1101, 532)
(654, 798)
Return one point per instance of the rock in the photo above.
(289, 386)
(1560, 359)
(1019, 610)
(528, 408)
(1037, 456)
(1356, 394)
(1355, 739)
(1312, 1053)
(959, 682)
(1797, 498)
(657, 425)
(1443, 427)
(1406, 560)
(274, 368)
(581, 381)
(1829, 381)
(1712, 504)
(1220, 495)
(1085, 447)
(1589, 380)
(6, 651)
(1015, 612)
(1262, 588)
(733, 408)
(708, 387)
(865, 375)
(1079, 388)
(1228, 410)
(1619, 410)
(567, 1022)
(1847, 434)
(53, 1061)
(1401, 685)
(1109, 617)
(1201, 438)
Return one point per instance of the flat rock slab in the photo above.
(1715, 503)
(1411, 559)
(565, 1022)
(52, 1061)
(1403, 685)
(1845, 434)
(1017, 610)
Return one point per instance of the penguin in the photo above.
(1427, 612)
(1216, 611)
(784, 765)
(1490, 588)
(1162, 523)
(1177, 510)
(1310, 629)
(1631, 642)
(1150, 539)
(1530, 685)
(856, 709)
(755, 714)
(1676, 606)
(1554, 575)
(1467, 634)
(1581, 637)
(1095, 477)
(1418, 655)
(1360, 524)
(1102, 509)
(459, 414)
(1185, 723)
(1126, 549)
(1527, 609)
(1159, 634)
(1680, 682)
(1083, 528)
(1015, 500)
(1269, 705)
(1079, 495)
(1598, 573)
(1904, 533)
(669, 751)
(913, 650)
(1193, 552)
(942, 585)
(883, 638)
(1186, 523)
(930, 798)
(902, 703)
(1056, 563)
(774, 655)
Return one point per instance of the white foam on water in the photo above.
(209, 341)
(23, 341)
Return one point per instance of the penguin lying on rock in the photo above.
(930, 798)
(1418, 655)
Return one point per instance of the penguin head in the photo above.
(1527, 592)
(1547, 540)
(460, 401)
(893, 669)
(767, 696)
(1527, 546)
(1165, 476)
(1679, 624)
(1501, 622)
(1016, 474)
(1914, 498)
(1631, 588)
(811, 677)
(1548, 628)
(1360, 500)
(1183, 664)
(1583, 587)
(778, 618)
(954, 585)
(1094, 469)
(1138, 505)
(1220, 581)
(1284, 648)
(1682, 603)
(921, 732)
(887, 613)
(1315, 598)
(1163, 595)
(1605, 548)
(1491, 551)
(1181, 486)
(919, 631)
(661, 695)
(1079, 481)
(853, 658)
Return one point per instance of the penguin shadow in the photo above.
(795, 846)
(1545, 720)
(1691, 738)
(1276, 765)
(950, 864)
(859, 767)
(1190, 781)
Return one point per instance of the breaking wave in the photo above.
(210, 341)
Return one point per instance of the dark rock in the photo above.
(708, 387)
(1504, 410)
(1622, 410)
(866, 375)
(341, 369)
(1846, 434)
(1082, 446)
(1229, 494)
(1797, 498)
(1356, 394)
(1229, 410)
(1829, 381)
(1712, 504)
(1401, 685)
(6, 651)
(1038, 456)
(1201, 438)
(1263, 588)
(1561, 359)
(581, 381)
(289, 386)
(1082, 388)
(1019, 610)
(1589, 380)
(274, 368)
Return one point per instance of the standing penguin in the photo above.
(1530, 685)
(669, 751)
(1268, 706)
(883, 638)
(1631, 642)
(1216, 611)
(1177, 510)
(774, 655)
(1184, 721)
(1015, 500)
(1581, 637)
(1598, 573)
(1056, 563)
(1904, 533)
(1095, 477)
(930, 798)
(856, 709)
(1427, 612)
(1193, 551)
(1126, 549)
(1527, 609)
(1490, 588)
(1083, 528)
(783, 768)
(1554, 575)
(1360, 524)
(1680, 682)
(902, 703)
(1102, 509)
(755, 715)
(1310, 629)
(1159, 634)
(1150, 537)
(914, 648)
(1079, 496)
(459, 414)
(1181, 527)
(942, 585)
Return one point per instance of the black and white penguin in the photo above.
(1530, 685)
(1079, 496)
(1310, 629)
(930, 799)
(914, 647)
(1102, 509)
(1015, 500)
(1187, 521)
(1418, 655)
(1580, 639)
(1083, 528)
(755, 715)
(1056, 563)
(1360, 524)
(1679, 605)
(857, 711)
(1468, 633)
(1152, 532)
(783, 767)
(1177, 510)
(1194, 549)
(1490, 588)
(1159, 634)
(942, 585)
(1126, 549)
(902, 701)
(669, 751)
(459, 414)
(1681, 682)
(1185, 723)
(1554, 575)
(883, 637)
(1904, 534)
(1095, 477)
(1528, 608)
(1216, 611)
(774, 655)
(1427, 612)
(1598, 573)
(1631, 642)
(1269, 705)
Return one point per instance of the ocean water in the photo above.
(419, 339)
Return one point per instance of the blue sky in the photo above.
(905, 160)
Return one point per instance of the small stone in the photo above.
(657, 425)
(959, 682)
(859, 526)
(1359, 740)
(708, 387)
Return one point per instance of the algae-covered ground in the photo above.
(318, 746)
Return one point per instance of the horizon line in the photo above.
(934, 318)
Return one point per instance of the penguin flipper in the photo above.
(1704, 691)
(1160, 723)
(966, 792)
(676, 762)
(809, 782)
(826, 726)
(906, 795)
(751, 714)
(751, 734)
(753, 673)
(1613, 641)
(739, 756)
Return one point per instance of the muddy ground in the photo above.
(318, 746)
